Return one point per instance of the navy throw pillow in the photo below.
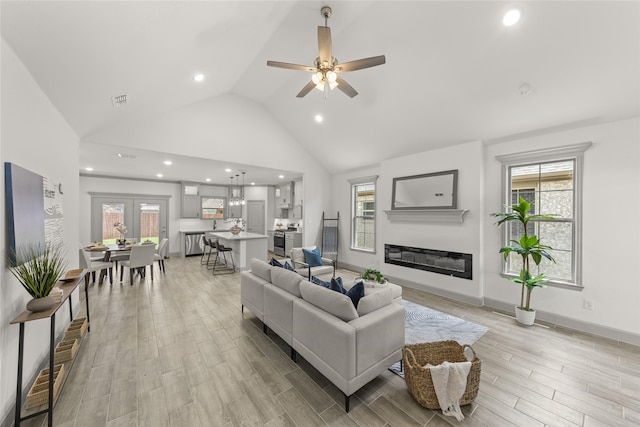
(356, 292)
(287, 266)
(312, 257)
(275, 263)
(320, 282)
(336, 285)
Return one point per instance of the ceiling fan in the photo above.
(326, 68)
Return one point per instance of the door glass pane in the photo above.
(150, 222)
(112, 213)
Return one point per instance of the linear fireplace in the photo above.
(443, 262)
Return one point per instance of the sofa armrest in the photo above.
(387, 322)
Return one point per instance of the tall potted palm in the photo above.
(529, 249)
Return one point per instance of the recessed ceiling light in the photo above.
(280, 176)
(159, 175)
(208, 179)
(198, 77)
(511, 17)
(253, 183)
(319, 118)
(168, 162)
(227, 170)
(88, 169)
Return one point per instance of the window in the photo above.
(363, 214)
(551, 182)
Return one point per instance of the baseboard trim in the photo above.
(555, 319)
(567, 322)
(422, 287)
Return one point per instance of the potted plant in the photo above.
(373, 275)
(529, 249)
(38, 270)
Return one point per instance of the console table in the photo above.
(28, 316)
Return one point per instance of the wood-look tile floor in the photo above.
(178, 352)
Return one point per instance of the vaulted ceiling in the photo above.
(453, 72)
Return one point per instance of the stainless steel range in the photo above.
(282, 244)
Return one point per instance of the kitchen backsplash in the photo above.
(285, 223)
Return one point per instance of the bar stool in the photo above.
(223, 267)
(207, 244)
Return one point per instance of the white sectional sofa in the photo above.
(350, 347)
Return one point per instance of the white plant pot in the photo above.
(525, 317)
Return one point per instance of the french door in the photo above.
(145, 218)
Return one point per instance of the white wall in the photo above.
(611, 204)
(36, 137)
(454, 237)
(125, 186)
(231, 128)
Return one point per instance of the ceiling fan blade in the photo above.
(291, 66)
(305, 90)
(346, 87)
(359, 64)
(324, 45)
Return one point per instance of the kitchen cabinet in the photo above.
(296, 212)
(292, 240)
(297, 193)
(284, 195)
(190, 200)
(270, 240)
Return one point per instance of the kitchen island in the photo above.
(245, 246)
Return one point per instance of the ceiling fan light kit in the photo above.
(326, 68)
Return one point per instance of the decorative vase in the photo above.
(41, 304)
(235, 230)
(525, 317)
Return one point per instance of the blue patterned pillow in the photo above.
(275, 263)
(312, 257)
(356, 292)
(287, 266)
(320, 282)
(336, 285)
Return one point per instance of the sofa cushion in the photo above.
(297, 254)
(312, 257)
(286, 280)
(287, 266)
(320, 282)
(261, 269)
(334, 303)
(373, 302)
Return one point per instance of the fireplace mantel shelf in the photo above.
(427, 215)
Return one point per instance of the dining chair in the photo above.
(93, 266)
(163, 248)
(140, 257)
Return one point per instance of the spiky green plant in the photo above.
(528, 247)
(38, 268)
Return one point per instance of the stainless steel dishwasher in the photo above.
(193, 244)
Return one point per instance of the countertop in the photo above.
(243, 235)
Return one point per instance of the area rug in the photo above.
(424, 324)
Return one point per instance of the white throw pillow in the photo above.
(332, 302)
(374, 301)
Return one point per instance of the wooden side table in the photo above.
(28, 316)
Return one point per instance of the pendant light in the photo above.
(243, 201)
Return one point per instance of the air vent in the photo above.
(127, 156)
(119, 100)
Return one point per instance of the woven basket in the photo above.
(418, 378)
(76, 329)
(65, 350)
(39, 392)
